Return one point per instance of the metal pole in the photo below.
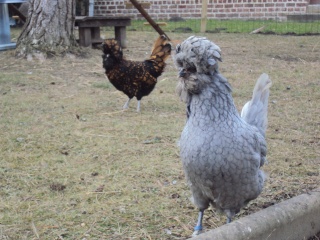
(4, 24)
(5, 39)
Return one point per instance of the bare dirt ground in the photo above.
(75, 166)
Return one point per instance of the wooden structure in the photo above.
(89, 29)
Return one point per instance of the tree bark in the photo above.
(49, 28)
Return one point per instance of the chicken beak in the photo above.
(182, 72)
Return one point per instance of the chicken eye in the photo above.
(191, 69)
(179, 63)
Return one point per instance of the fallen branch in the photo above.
(258, 30)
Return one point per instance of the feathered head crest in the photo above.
(198, 52)
(112, 47)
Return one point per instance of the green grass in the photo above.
(103, 85)
(62, 124)
(233, 26)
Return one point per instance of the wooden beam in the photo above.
(204, 16)
(148, 18)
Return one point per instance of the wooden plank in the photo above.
(85, 18)
(100, 18)
(103, 22)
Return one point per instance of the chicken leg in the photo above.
(198, 227)
(138, 106)
(126, 105)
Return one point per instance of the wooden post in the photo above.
(120, 35)
(204, 16)
(148, 18)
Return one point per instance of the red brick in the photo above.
(258, 15)
(290, 5)
(249, 5)
(220, 15)
(275, 9)
(301, 4)
(228, 5)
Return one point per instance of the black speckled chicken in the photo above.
(221, 151)
(135, 79)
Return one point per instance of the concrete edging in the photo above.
(295, 219)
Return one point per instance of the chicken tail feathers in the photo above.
(161, 50)
(255, 111)
(112, 48)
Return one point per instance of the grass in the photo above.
(234, 26)
(74, 165)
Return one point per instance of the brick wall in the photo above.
(217, 9)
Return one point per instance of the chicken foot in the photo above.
(198, 227)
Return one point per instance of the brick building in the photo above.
(217, 9)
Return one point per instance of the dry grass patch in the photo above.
(75, 166)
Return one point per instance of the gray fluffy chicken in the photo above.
(221, 151)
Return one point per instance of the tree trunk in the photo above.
(49, 28)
